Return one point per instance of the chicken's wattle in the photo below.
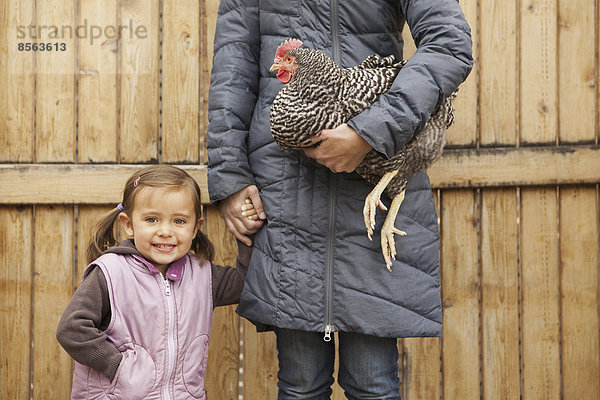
(284, 76)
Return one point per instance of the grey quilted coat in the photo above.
(313, 267)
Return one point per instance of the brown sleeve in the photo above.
(81, 328)
(228, 281)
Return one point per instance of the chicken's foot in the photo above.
(373, 201)
(388, 244)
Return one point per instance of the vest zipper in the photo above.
(171, 352)
(335, 47)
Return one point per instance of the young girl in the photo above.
(139, 324)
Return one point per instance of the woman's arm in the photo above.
(232, 97)
(442, 61)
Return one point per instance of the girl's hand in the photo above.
(249, 211)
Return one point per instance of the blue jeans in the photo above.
(368, 366)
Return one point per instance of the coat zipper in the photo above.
(171, 353)
(335, 47)
(335, 32)
(330, 260)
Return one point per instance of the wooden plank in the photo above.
(538, 74)
(540, 297)
(464, 130)
(180, 81)
(17, 69)
(337, 391)
(16, 257)
(499, 295)
(577, 71)
(460, 294)
(409, 44)
(53, 287)
(516, 167)
(579, 243)
(222, 376)
(422, 368)
(55, 83)
(208, 21)
(260, 364)
(139, 81)
(98, 95)
(74, 184)
(498, 73)
(466, 168)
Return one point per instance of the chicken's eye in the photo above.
(289, 59)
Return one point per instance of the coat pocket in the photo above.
(135, 377)
(287, 7)
(194, 366)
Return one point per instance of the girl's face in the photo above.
(163, 224)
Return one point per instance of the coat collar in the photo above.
(127, 247)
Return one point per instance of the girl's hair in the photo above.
(157, 176)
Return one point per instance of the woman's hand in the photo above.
(240, 225)
(340, 149)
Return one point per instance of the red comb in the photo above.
(287, 46)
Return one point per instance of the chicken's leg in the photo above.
(388, 244)
(373, 201)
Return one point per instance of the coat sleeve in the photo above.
(442, 61)
(228, 282)
(81, 328)
(232, 96)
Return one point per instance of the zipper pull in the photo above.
(327, 336)
(167, 287)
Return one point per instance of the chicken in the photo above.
(318, 95)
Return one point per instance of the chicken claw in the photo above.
(373, 201)
(370, 209)
(388, 244)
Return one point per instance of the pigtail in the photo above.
(103, 235)
(203, 247)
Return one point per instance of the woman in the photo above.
(313, 270)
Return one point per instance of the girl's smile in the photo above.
(164, 247)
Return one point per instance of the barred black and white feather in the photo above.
(321, 95)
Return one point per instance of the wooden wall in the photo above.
(517, 193)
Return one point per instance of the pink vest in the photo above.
(162, 328)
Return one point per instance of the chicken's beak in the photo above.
(275, 67)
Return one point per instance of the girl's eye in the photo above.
(151, 219)
(180, 221)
